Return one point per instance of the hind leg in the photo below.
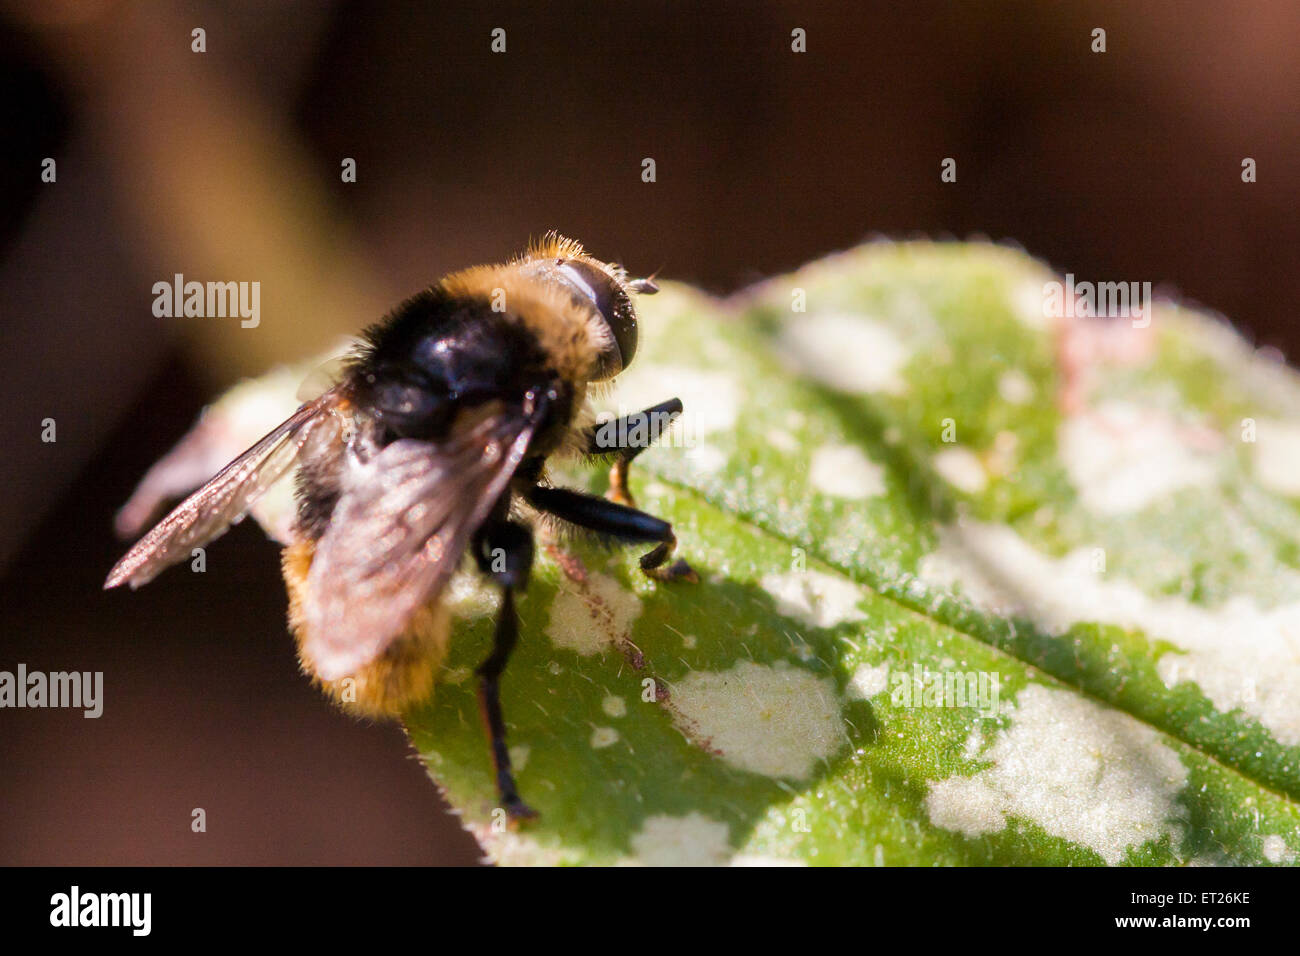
(504, 551)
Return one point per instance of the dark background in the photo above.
(225, 165)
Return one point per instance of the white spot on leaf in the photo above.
(706, 459)
(1015, 388)
(1241, 656)
(848, 352)
(710, 399)
(1122, 458)
(775, 722)
(782, 440)
(868, 681)
(588, 618)
(1027, 303)
(816, 599)
(1277, 456)
(843, 471)
(1090, 775)
(692, 840)
(961, 468)
(469, 596)
(1275, 850)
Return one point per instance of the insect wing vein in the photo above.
(398, 533)
(227, 497)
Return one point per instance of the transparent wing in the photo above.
(398, 533)
(226, 498)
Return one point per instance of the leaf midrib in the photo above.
(754, 522)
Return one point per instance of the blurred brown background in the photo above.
(225, 166)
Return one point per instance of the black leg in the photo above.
(504, 551)
(626, 438)
(616, 521)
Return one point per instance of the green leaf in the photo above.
(977, 587)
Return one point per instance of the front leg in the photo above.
(626, 438)
(617, 521)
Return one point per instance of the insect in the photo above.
(433, 443)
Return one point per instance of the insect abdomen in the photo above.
(400, 678)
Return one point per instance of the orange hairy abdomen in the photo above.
(400, 678)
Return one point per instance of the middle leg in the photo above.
(616, 521)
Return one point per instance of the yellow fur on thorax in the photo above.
(555, 246)
(400, 678)
(567, 331)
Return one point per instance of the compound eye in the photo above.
(614, 306)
